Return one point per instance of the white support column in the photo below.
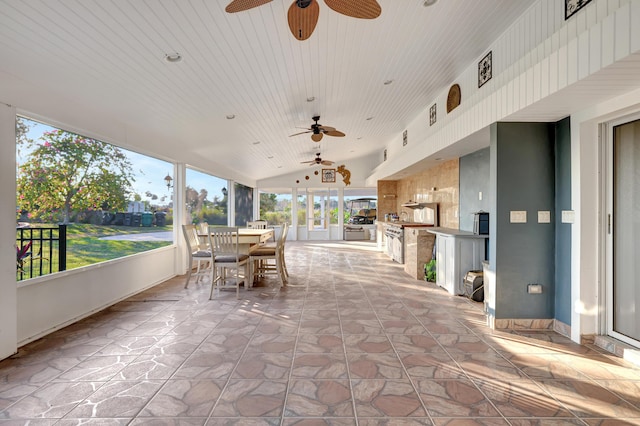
(256, 204)
(8, 285)
(340, 213)
(180, 215)
(294, 214)
(231, 206)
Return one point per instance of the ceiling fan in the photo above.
(318, 130)
(303, 14)
(317, 161)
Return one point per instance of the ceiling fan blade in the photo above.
(242, 5)
(316, 137)
(326, 162)
(326, 128)
(301, 133)
(305, 162)
(336, 133)
(363, 9)
(302, 22)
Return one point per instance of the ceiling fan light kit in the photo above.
(317, 161)
(318, 131)
(303, 14)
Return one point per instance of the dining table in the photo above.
(250, 239)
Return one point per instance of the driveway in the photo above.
(147, 236)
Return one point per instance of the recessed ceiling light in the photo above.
(231, 116)
(311, 99)
(388, 82)
(438, 159)
(270, 157)
(428, 3)
(369, 118)
(256, 143)
(358, 138)
(173, 57)
(279, 167)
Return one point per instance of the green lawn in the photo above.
(84, 246)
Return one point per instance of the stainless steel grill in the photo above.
(395, 243)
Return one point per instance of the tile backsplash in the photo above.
(440, 184)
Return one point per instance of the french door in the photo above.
(318, 214)
(622, 224)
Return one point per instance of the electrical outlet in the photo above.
(534, 288)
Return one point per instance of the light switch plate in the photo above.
(568, 216)
(544, 216)
(518, 216)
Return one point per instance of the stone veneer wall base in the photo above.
(530, 324)
(616, 347)
(609, 344)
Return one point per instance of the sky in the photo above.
(149, 172)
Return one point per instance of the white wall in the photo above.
(540, 56)
(8, 315)
(48, 303)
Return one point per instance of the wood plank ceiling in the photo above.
(110, 55)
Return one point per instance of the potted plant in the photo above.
(430, 271)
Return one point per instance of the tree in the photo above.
(22, 128)
(195, 200)
(268, 203)
(67, 172)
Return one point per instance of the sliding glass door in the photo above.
(623, 223)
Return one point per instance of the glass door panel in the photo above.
(624, 306)
(318, 214)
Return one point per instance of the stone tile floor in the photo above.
(352, 340)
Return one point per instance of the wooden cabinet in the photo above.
(457, 252)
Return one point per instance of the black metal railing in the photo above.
(40, 251)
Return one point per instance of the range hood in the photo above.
(411, 204)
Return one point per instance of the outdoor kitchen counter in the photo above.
(418, 248)
(381, 225)
(457, 252)
(405, 224)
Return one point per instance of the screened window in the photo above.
(111, 202)
(206, 198)
(334, 219)
(275, 206)
(301, 207)
(244, 204)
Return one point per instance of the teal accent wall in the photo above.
(474, 178)
(522, 173)
(563, 230)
